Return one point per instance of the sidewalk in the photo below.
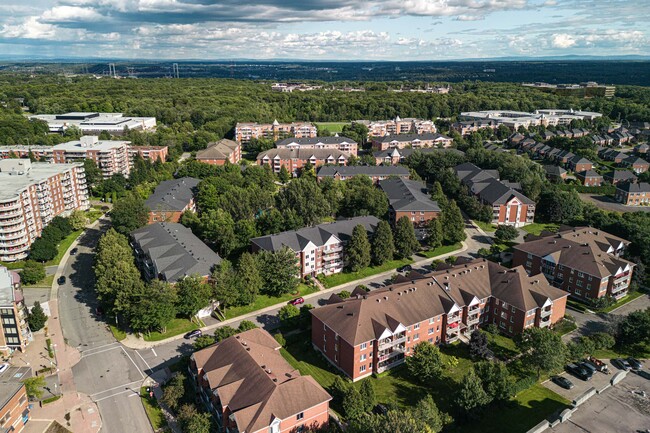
(134, 342)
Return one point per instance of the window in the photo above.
(363, 346)
(416, 337)
(510, 329)
(363, 357)
(431, 320)
(300, 416)
(512, 319)
(430, 331)
(512, 309)
(578, 291)
(579, 283)
(362, 368)
(530, 256)
(581, 275)
(417, 326)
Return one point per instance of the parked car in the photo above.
(193, 334)
(562, 382)
(634, 363)
(405, 268)
(3, 367)
(578, 371)
(61, 280)
(600, 365)
(621, 364)
(643, 373)
(74, 251)
(297, 301)
(588, 366)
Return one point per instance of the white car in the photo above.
(4, 367)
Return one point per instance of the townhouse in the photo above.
(409, 198)
(375, 173)
(14, 329)
(468, 126)
(509, 206)
(382, 128)
(637, 165)
(615, 155)
(371, 332)
(220, 152)
(148, 153)
(411, 140)
(295, 159)
(555, 173)
(578, 164)
(396, 156)
(319, 249)
(171, 198)
(14, 402)
(171, 252)
(619, 176)
(344, 144)
(32, 194)
(245, 132)
(589, 178)
(93, 122)
(642, 149)
(583, 261)
(632, 193)
(247, 386)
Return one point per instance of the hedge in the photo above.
(525, 383)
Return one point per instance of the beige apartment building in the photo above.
(382, 128)
(245, 132)
(111, 157)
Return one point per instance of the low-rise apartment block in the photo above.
(578, 164)
(466, 127)
(382, 128)
(589, 178)
(245, 132)
(344, 144)
(411, 140)
(171, 252)
(149, 153)
(509, 206)
(247, 386)
(319, 249)
(396, 156)
(171, 198)
(583, 261)
(633, 194)
(220, 152)
(295, 159)
(374, 331)
(637, 165)
(14, 329)
(32, 194)
(409, 198)
(93, 122)
(376, 173)
(14, 403)
(111, 157)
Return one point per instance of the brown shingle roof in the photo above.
(221, 149)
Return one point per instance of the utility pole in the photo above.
(111, 70)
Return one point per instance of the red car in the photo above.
(297, 301)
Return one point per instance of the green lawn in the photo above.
(333, 127)
(154, 413)
(624, 300)
(641, 351)
(176, 327)
(502, 346)
(565, 326)
(45, 282)
(440, 251)
(486, 227)
(346, 277)
(263, 301)
(63, 247)
(117, 333)
(536, 228)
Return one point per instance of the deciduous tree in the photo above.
(425, 364)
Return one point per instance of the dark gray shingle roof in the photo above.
(408, 195)
(367, 170)
(172, 195)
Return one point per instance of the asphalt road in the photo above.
(109, 373)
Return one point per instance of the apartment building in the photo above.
(396, 156)
(319, 249)
(409, 198)
(111, 157)
(15, 333)
(149, 153)
(637, 165)
(468, 126)
(344, 144)
(247, 386)
(382, 128)
(245, 132)
(631, 193)
(93, 122)
(374, 331)
(411, 140)
(171, 198)
(375, 173)
(14, 404)
(578, 164)
(619, 176)
(220, 152)
(32, 194)
(583, 261)
(509, 206)
(589, 178)
(171, 252)
(295, 159)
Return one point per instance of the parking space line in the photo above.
(114, 388)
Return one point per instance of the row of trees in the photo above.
(45, 247)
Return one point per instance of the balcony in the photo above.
(453, 319)
(544, 322)
(546, 312)
(381, 367)
(472, 319)
(391, 353)
(391, 342)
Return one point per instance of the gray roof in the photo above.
(10, 383)
(588, 173)
(173, 195)
(318, 235)
(631, 160)
(580, 160)
(620, 175)
(634, 187)
(175, 251)
(486, 185)
(368, 170)
(300, 153)
(315, 140)
(408, 195)
(406, 152)
(554, 170)
(410, 137)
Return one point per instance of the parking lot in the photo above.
(598, 381)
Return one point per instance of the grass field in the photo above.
(440, 251)
(263, 301)
(45, 282)
(346, 277)
(565, 326)
(175, 327)
(333, 127)
(536, 228)
(502, 346)
(154, 413)
(486, 227)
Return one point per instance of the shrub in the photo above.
(32, 272)
(524, 383)
(280, 339)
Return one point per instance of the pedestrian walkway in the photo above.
(155, 381)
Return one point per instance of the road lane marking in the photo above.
(116, 387)
(136, 365)
(145, 362)
(154, 352)
(85, 355)
(116, 394)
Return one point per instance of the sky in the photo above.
(323, 29)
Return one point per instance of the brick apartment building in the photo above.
(32, 194)
(468, 126)
(14, 404)
(374, 331)
(619, 176)
(638, 165)
(509, 206)
(578, 164)
(583, 261)
(171, 198)
(589, 178)
(149, 153)
(375, 173)
(344, 144)
(319, 249)
(411, 140)
(633, 194)
(396, 156)
(15, 333)
(382, 128)
(247, 386)
(111, 157)
(409, 198)
(295, 159)
(220, 152)
(245, 132)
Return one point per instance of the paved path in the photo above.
(608, 203)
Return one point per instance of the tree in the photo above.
(226, 286)
(33, 386)
(248, 278)
(129, 213)
(383, 247)
(368, 396)
(496, 380)
(193, 421)
(505, 233)
(425, 364)
(360, 197)
(174, 390)
(193, 294)
(405, 241)
(559, 206)
(153, 307)
(304, 196)
(453, 225)
(358, 249)
(224, 332)
(427, 412)
(478, 344)
(289, 315)
(284, 176)
(246, 325)
(470, 395)
(634, 328)
(434, 233)
(543, 349)
(78, 220)
(353, 403)
(93, 173)
(203, 341)
(36, 318)
(43, 250)
(218, 228)
(279, 270)
(395, 421)
(32, 272)
(339, 388)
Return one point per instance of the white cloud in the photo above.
(563, 40)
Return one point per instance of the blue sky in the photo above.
(324, 29)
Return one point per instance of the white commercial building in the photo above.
(94, 122)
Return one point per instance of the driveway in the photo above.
(608, 203)
(599, 381)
